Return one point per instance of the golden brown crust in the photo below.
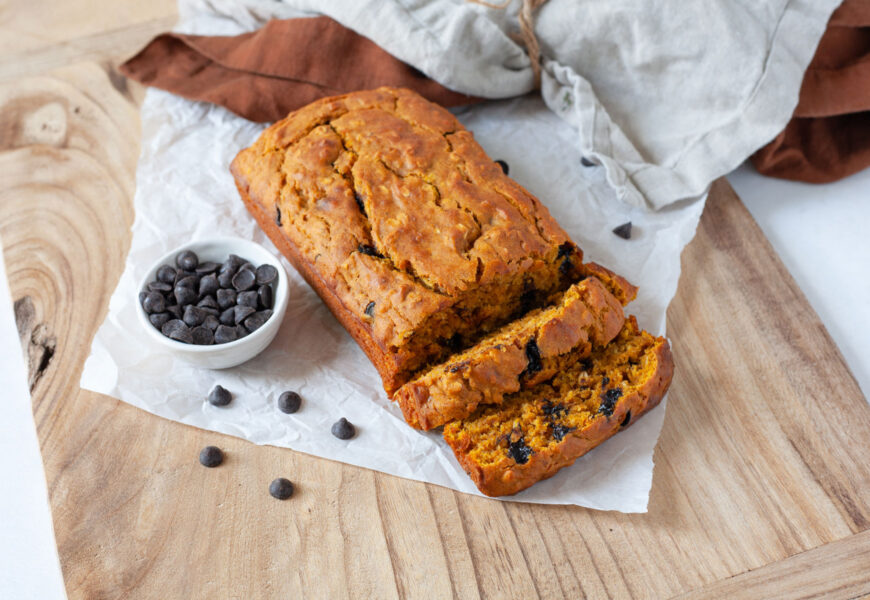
(401, 223)
(506, 476)
(586, 316)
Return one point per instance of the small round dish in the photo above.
(221, 356)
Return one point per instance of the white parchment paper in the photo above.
(184, 191)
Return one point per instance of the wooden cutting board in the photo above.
(762, 478)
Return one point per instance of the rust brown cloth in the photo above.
(828, 137)
(265, 74)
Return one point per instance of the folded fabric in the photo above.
(829, 136)
(287, 64)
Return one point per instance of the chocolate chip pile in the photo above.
(207, 303)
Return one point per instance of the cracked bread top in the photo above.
(403, 217)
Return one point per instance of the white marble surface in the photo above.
(822, 235)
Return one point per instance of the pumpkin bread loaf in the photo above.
(521, 354)
(535, 432)
(415, 239)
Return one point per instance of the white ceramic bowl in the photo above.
(221, 356)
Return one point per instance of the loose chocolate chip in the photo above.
(264, 294)
(225, 335)
(370, 309)
(241, 331)
(193, 315)
(533, 355)
(240, 313)
(343, 429)
(519, 451)
(202, 336)
(232, 263)
(189, 281)
(210, 311)
(566, 249)
(154, 303)
(289, 402)
(586, 162)
(608, 401)
(369, 250)
(208, 285)
(247, 299)
(211, 322)
(166, 274)
(360, 204)
(257, 320)
(208, 302)
(142, 296)
(244, 279)
(248, 266)
(185, 295)
(187, 260)
(281, 488)
(560, 431)
(160, 287)
(207, 267)
(225, 279)
(504, 166)
(626, 420)
(211, 456)
(219, 396)
(176, 330)
(228, 317)
(278, 216)
(623, 231)
(266, 274)
(226, 298)
(158, 319)
(175, 311)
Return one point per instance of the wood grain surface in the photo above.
(762, 479)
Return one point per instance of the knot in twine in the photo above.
(527, 31)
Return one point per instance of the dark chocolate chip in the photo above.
(278, 216)
(176, 330)
(370, 309)
(281, 488)
(530, 298)
(369, 250)
(241, 331)
(187, 260)
(247, 266)
(175, 311)
(208, 302)
(289, 402)
(454, 343)
(185, 295)
(207, 267)
(154, 302)
(626, 420)
(566, 267)
(604, 380)
(202, 336)
(360, 204)
(586, 162)
(232, 263)
(519, 451)
(240, 313)
(608, 401)
(504, 166)
(166, 274)
(560, 431)
(158, 319)
(208, 285)
(343, 429)
(266, 274)
(533, 355)
(623, 231)
(219, 396)
(226, 298)
(211, 322)
(142, 296)
(244, 279)
(228, 317)
(225, 280)
(189, 281)
(225, 335)
(264, 294)
(211, 456)
(210, 311)
(160, 287)
(257, 320)
(566, 249)
(193, 315)
(248, 298)
(553, 410)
